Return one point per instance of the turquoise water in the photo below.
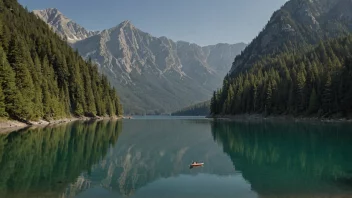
(150, 157)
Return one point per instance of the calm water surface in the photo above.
(150, 158)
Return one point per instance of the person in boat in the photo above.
(194, 163)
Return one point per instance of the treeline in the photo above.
(316, 81)
(42, 77)
(200, 109)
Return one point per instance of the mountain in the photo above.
(63, 26)
(298, 65)
(156, 75)
(297, 24)
(41, 77)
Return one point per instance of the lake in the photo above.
(150, 157)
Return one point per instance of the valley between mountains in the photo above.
(152, 75)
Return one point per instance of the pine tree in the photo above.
(301, 82)
(89, 97)
(228, 102)
(77, 91)
(118, 107)
(5, 38)
(37, 81)
(327, 95)
(23, 80)
(268, 100)
(255, 97)
(8, 85)
(2, 104)
(313, 102)
(213, 104)
(46, 96)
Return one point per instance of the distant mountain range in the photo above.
(152, 75)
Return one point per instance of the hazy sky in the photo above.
(199, 21)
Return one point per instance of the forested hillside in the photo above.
(200, 109)
(292, 66)
(315, 81)
(42, 77)
(297, 24)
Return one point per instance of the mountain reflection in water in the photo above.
(151, 158)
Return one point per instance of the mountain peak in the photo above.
(49, 12)
(126, 24)
(52, 10)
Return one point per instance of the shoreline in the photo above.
(8, 125)
(259, 117)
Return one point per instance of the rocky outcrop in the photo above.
(63, 26)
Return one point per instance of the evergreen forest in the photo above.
(312, 81)
(41, 77)
(199, 109)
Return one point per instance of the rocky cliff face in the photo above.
(296, 24)
(157, 75)
(152, 75)
(64, 26)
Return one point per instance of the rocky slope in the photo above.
(63, 26)
(296, 24)
(155, 75)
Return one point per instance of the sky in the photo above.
(203, 22)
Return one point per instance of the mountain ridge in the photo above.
(157, 74)
(296, 24)
(63, 26)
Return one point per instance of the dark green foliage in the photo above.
(42, 77)
(200, 109)
(2, 104)
(313, 102)
(7, 79)
(316, 81)
(213, 103)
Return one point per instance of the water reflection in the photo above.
(53, 161)
(151, 158)
(290, 158)
(149, 151)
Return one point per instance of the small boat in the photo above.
(196, 164)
